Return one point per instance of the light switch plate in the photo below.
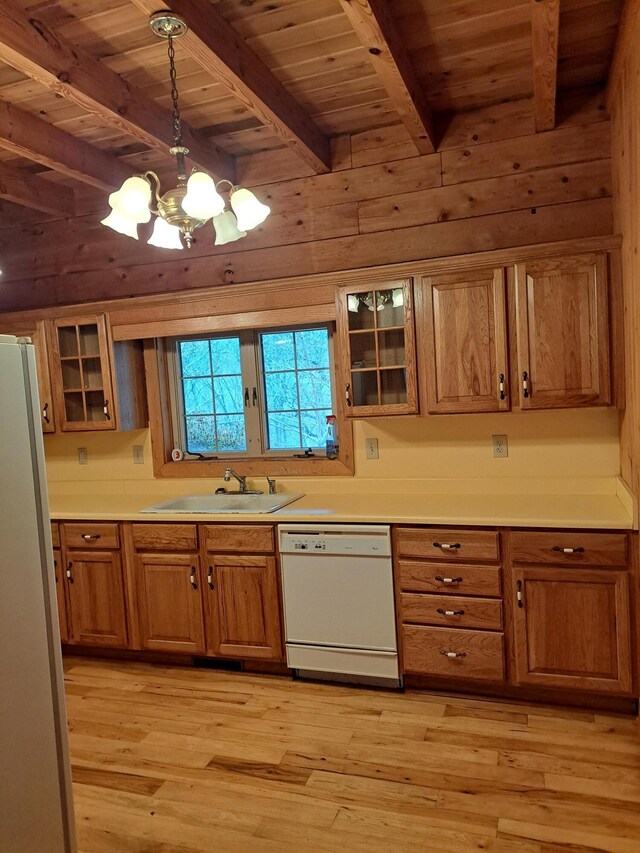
(138, 454)
(371, 448)
(83, 456)
(500, 446)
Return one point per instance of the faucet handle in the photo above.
(272, 485)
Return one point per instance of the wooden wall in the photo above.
(624, 105)
(493, 184)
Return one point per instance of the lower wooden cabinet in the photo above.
(572, 628)
(169, 593)
(243, 614)
(62, 604)
(453, 652)
(95, 589)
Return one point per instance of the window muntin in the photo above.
(252, 394)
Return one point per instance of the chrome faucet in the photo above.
(229, 473)
(272, 485)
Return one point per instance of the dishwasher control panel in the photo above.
(351, 539)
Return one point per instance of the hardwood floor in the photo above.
(176, 760)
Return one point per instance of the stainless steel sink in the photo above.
(226, 503)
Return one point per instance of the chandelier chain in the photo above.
(177, 128)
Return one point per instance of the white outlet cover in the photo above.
(500, 446)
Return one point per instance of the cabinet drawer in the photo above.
(244, 538)
(165, 537)
(456, 580)
(571, 549)
(55, 535)
(92, 535)
(452, 611)
(447, 544)
(479, 654)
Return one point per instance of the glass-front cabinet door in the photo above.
(377, 349)
(81, 374)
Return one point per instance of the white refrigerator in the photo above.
(36, 807)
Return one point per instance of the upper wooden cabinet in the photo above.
(97, 385)
(462, 341)
(377, 349)
(562, 332)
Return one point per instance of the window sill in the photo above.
(276, 467)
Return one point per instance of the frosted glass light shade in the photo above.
(226, 228)
(165, 236)
(121, 224)
(353, 303)
(397, 297)
(249, 211)
(202, 199)
(132, 200)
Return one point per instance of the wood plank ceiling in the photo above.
(88, 85)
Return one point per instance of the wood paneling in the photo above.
(572, 629)
(545, 30)
(462, 335)
(563, 332)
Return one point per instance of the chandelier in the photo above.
(195, 200)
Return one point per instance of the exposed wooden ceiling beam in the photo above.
(545, 25)
(28, 190)
(27, 136)
(51, 60)
(216, 46)
(374, 25)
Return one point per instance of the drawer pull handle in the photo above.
(525, 384)
(501, 387)
(445, 545)
(453, 654)
(193, 577)
(210, 578)
(347, 394)
(90, 537)
(579, 550)
(105, 409)
(440, 579)
(70, 572)
(450, 612)
(45, 414)
(519, 594)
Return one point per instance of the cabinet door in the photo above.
(62, 604)
(562, 332)
(170, 602)
(572, 629)
(81, 374)
(243, 610)
(463, 344)
(377, 349)
(96, 597)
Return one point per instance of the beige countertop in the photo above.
(604, 511)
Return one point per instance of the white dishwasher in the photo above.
(337, 584)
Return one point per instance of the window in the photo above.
(253, 394)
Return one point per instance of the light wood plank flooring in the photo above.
(176, 760)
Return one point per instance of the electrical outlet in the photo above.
(371, 448)
(138, 454)
(83, 456)
(500, 446)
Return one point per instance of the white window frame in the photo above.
(253, 380)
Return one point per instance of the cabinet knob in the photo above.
(453, 654)
(45, 414)
(578, 550)
(440, 579)
(193, 577)
(525, 384)
(450, 612)
(70, 572)
(501, 386)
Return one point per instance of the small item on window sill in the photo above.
(177, 455)
(331, 442)
(306, 455)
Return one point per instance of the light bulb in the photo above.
(132, 200)
(121, 224)
(397, 297)
(226, 228)
(353, 303)
(165, 236)
(249, 211)
(202, 199)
